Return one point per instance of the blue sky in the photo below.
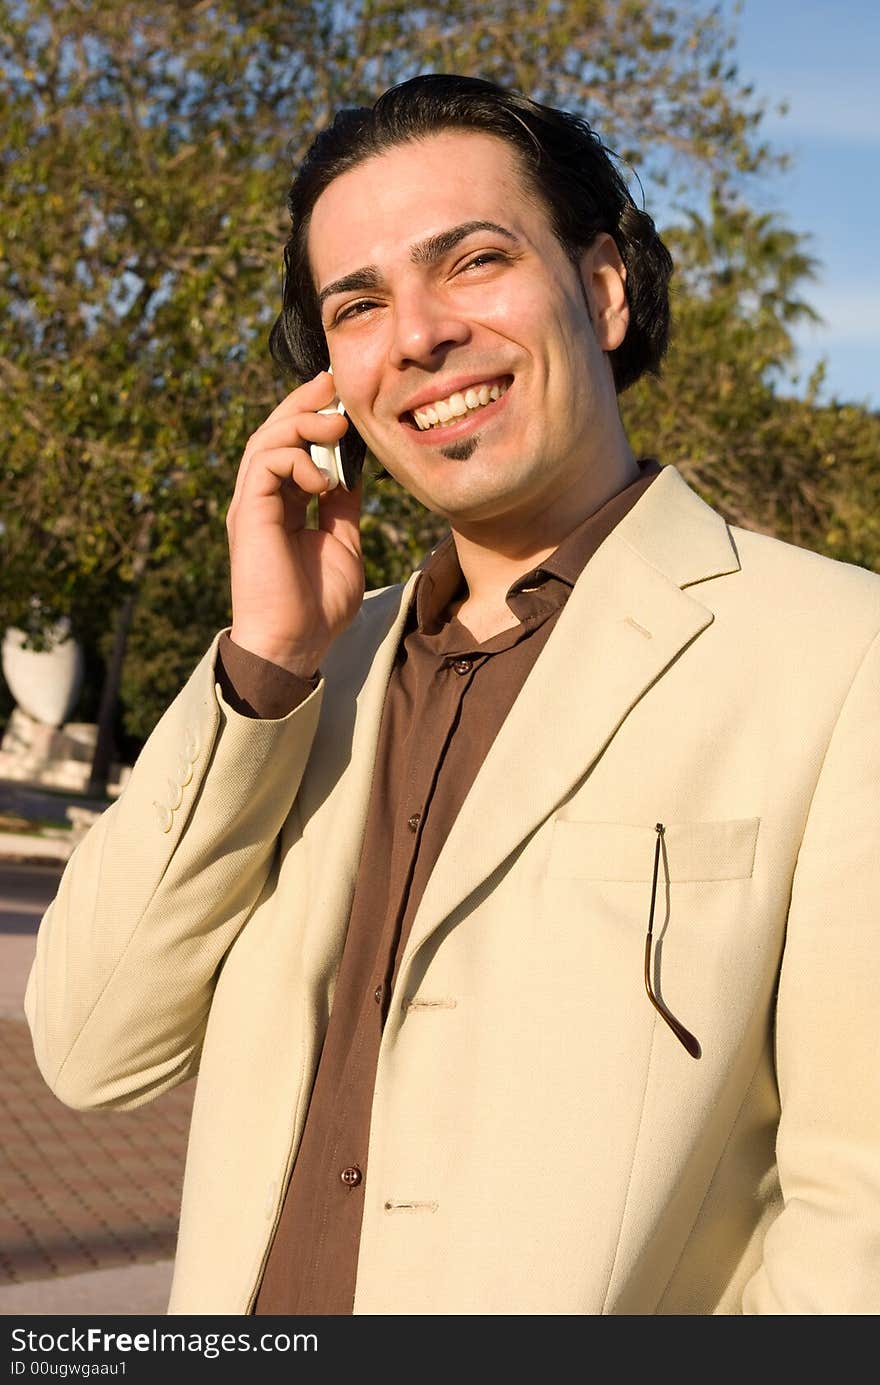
(823, 59)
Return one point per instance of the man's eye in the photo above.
(485, 257)
(356, 309)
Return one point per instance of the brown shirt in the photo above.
(446, 700)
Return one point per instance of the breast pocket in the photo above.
(692, 851)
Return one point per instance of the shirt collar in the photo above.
(442, 578)
(568, 561)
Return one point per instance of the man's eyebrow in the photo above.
(366, 278)
(426, 252)
(435, 247)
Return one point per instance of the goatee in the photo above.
(461, 451)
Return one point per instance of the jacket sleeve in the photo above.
(822, 1253)
(155, 894)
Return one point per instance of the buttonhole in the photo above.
(411, 1206)
(445, 1003)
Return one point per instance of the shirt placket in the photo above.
(439, 709)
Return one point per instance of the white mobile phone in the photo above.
(343, 463)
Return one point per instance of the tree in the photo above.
(145, 163)
(768, 461)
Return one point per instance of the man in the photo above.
(519, 922)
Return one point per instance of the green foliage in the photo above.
(783, 465)
(147, 150)
(183, 601)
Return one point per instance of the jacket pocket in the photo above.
(692, 851)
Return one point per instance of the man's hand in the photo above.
(293, 589)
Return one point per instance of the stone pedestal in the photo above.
(57, 758)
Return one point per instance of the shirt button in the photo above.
(413, 822)
(462, 665)
(351, 1176)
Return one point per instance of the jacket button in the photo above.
(462, 665)
(351, 1176)
(413, 822)
(378, 993)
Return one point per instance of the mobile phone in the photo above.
(343, 463)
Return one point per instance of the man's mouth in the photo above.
(460, 404)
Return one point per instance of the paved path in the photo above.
(89, 1201)
(133, 1290)
(82, 1191)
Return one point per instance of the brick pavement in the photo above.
(83, 1190)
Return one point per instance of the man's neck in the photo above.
(493, 556)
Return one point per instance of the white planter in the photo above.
(45, 684)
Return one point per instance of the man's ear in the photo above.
(603, 275)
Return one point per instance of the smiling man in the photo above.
(518, 921)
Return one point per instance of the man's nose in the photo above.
(425, 327)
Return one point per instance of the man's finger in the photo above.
(339, 513)
(295, 428)
(290, 434)
(268, 470)
(315, 394)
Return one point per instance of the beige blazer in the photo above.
(541, 1143)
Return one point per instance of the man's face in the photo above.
(459, 332)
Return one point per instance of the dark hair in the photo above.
(563, 158)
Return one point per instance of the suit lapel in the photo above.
(625, 622)
(335, 791)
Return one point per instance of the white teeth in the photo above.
(457, 405)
